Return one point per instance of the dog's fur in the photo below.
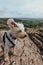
(18, 32)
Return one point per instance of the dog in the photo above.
(9, 38)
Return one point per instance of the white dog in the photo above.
(10, 37)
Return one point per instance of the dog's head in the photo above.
(17, 29)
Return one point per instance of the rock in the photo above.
(25, 53)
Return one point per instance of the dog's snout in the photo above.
(25, 36)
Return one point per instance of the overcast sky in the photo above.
(21, 8)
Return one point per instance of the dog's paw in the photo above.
(13, 58)
(7, 61)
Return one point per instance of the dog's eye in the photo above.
(19, 31)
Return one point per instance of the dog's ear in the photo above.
(14, 24)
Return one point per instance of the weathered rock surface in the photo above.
(26, 53)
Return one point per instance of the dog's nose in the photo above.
(25, 36)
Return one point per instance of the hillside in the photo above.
(27, 23)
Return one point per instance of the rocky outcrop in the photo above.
(25, 53)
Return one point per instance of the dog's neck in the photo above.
(13, 37)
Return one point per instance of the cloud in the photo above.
(21, 8)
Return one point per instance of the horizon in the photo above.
(23, 18)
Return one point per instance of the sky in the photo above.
(21, 8)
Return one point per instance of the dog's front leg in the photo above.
(15, 42)
(6, 50)
(14, 53)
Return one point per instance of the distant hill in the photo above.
(28, 22)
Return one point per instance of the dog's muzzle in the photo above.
(23, 37)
